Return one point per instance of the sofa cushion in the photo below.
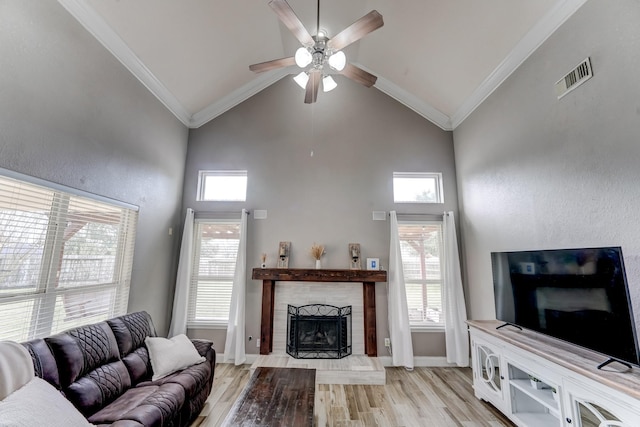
(170, 355)
(191, 379)
(38, 403)
(138, 365)
(81, 350)
(150, 406)
(99, 387)
(44, 363)
(131, 330)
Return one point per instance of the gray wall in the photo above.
(72, 114)
(535, 172)
(358, 137)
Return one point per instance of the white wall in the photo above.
(72, 114)
(535, 172)
(358, 137)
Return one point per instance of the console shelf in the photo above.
(505, 360)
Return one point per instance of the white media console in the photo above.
(570, 390)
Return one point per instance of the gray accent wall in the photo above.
(70, 113)
(535, 172)
(320, 170)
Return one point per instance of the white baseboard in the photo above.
(422, 362)
(418, 361)
(250, 358)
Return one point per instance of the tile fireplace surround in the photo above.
(345, 290)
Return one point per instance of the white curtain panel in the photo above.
(234, 345)
(455, 314)
(399, 329)
(183, 278)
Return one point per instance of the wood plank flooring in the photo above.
(425, 397)
(275, 397)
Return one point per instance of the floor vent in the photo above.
(574, 78)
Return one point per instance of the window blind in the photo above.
(421, 248)
(215, 252)
(65, 259)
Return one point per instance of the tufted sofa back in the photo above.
(130, 331)
(93, 365)
(91, 372)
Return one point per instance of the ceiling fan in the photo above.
(319, 52)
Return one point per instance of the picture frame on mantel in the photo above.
(373, 264)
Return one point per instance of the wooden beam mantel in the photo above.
(368, 278)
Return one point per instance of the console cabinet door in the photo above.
(591, 406)
(488, 372)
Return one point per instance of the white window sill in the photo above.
(207, 326)
(425, 328)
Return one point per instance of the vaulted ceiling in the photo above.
(440, 58)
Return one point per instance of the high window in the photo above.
(65, 258)
(222, 186)
(421, 248)
(214, 262)
(417, 187)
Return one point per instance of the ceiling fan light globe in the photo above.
(338, 61)
(303, 57)
(302, 79)
(328, 84)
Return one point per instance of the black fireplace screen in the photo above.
(319, 331)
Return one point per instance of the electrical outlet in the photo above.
(387, 342)
(258, 342)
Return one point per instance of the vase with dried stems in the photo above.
(316, 252)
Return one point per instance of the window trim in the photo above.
(437, 176)
(204, 174)
(65, 189)
(425, 327)
(44, 297)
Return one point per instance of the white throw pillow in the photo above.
(170, 355)
(16, 367)
(38, 403)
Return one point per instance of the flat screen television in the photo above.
(576, 295)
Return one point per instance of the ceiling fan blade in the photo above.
(272, 65)
(354, 32)
(291, 20)
(359, 75)
(313, 84)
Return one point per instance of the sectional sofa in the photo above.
(105, 370)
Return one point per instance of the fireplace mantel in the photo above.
(368, 278)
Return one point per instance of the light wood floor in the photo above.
(433, 397)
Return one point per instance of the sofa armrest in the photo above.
(205, 348)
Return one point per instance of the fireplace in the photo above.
(319, 331)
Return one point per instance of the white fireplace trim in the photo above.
(302, 293)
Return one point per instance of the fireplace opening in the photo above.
(319, 331)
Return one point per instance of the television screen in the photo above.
(576, 295)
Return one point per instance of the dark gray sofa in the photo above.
(105, 371)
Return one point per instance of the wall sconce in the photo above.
(354, 256)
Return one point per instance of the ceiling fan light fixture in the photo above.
(302, 79)
(303, 57)
(328, 84)
(338, 61)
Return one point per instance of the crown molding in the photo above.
(540, 32)
(410, 101)
(94, 23)
(239, 95)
